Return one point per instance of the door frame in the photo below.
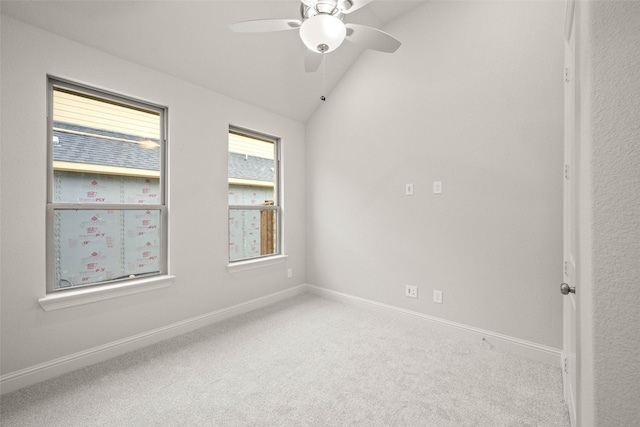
(571, 344)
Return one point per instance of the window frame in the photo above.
(52, 206)
(277, 192)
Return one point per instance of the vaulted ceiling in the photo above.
(191, 40)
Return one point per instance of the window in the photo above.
(106, 213)
(254, 208)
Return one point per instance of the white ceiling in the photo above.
(190, 40)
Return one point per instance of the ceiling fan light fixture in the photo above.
(323, 33)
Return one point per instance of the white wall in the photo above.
(473, 98)
(198, 125)
(609, 290)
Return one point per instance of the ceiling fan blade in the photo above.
(349, 6)
(312, 61)
(265, 25)
(372, 38)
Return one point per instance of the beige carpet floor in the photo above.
(306, 361)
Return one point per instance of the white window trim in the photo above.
(279, 257)
(253, 263)
(63, 298)
(91, 294)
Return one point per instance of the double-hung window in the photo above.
(106, 212)
(255, 215)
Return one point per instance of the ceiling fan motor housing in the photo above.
(310, 8)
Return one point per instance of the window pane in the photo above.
(252, 233)
(104, 152)
(100, 245)
(253, 181)
(80, 187)
(250, 195)
(252, 171)
(106, 158)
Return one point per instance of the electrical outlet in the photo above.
(290, 272)
(437, 297)
(411, 291)
(437, 187)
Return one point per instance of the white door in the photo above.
(570, 286)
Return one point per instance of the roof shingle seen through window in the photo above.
(95, 150)
(251, 167)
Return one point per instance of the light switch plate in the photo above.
(408, 190)
(437, 297)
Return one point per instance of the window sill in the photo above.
(72, 298)
(255, 263)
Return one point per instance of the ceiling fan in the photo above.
(322, 29)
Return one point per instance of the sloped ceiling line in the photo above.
(190, 40)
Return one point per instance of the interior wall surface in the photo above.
(474, 99)
(609, 294)
(197, 201)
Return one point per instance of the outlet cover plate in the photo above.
(411, 291)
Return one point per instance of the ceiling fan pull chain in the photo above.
(324, 72)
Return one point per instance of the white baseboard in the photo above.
(47, 370)
(531, 350)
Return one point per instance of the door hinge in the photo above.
(567, 79)
(566, 171)
(566, 370)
